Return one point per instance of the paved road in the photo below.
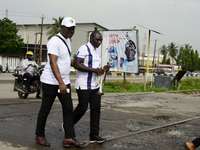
(132, 115)
(8, 78)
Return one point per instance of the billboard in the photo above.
(120, 50)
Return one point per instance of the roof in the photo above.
(52, 23)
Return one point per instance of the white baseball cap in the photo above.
(68, 22)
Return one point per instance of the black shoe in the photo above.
(37, 96)
(97, 139)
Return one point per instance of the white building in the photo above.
(31, 34)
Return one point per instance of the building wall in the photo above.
(143, 60)
(28, 33)
(31, 35)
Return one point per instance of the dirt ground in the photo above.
(135, 121)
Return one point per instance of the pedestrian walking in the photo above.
(7, 68)
(55, 82)
(87, 63)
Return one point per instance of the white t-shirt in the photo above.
(57, 47)
(87, 80)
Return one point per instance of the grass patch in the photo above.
(118, 86)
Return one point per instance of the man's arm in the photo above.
(78, 64)
(36, 65)
(24, 65)
(56, 72)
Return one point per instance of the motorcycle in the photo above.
(20, 82)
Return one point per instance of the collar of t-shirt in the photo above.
(62, 36)
(91, 46)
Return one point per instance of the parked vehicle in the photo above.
(20, 82)
(188, 73)
(170, 73)
(141, 70)
(157, 71)
(195, 73)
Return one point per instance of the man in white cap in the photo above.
(55, 82)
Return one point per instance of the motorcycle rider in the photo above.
(29, 67)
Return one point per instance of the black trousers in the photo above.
(85, 97)
(196, 142)
(28, 79)
(49, 94)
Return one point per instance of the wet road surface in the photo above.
(122, 114)
(128, 121)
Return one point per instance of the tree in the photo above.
(196, 60)
(168, 61)
(192, 60)
(198, 64)
(54, 28)
(187, 60)
(179, 57)
(188, 47)
(173, 50)
(164, 59)
(163, 49)
(9, 40)
(187, 63)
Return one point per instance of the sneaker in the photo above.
(42, 141)
(97, 139)
(37, 96)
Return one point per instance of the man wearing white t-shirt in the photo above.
(55, 82)
(87, 63)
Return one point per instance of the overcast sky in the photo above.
(177, 20)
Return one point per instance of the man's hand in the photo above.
(106, 68)
(72, 63)
(99, 71)
(63, 88)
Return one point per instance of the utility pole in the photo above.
(35, 45)
(40, 60)
(154, 54)
(144, 48)
(158, 58)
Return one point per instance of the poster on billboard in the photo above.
(119, 48)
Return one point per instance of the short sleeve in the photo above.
(53, 47)
(82, 52)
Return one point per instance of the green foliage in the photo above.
(173, 50)
(164, 59)
(198, 63)
(118, 86)
(54, 28)
(196, 60)
(168, 61)
(190, 84)
(163, 50)
(9, 40)
(74, 56)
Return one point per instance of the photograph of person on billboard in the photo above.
(130, 51)
(121, 65)
(113, 57)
